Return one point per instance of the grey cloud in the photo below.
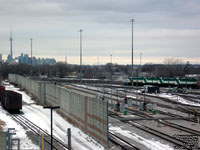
(54, 25)
(103, 11)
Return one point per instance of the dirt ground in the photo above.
(1, 124)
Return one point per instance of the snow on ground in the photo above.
(177, 99)
(41, 117)
(25, 142)
(150, 144)
(129, 96)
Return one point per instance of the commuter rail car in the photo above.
(164, 82)
(11, 101)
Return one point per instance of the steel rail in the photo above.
(121, 142)
(35, 128)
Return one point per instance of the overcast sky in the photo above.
(162, 29)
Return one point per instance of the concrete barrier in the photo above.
(87, 113)
(3, 140)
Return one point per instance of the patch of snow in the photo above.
(150, 144)
(129, 96)
(25, 142)
(177, 99)
(41, 117)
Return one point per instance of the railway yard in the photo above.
(175, 117)
(137, 120)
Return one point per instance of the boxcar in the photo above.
(11, 101)
(2, 89)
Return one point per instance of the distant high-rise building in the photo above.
(1, 58)
(9, 59)
(25, 59)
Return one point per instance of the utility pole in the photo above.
(111, 77)
(111, 69)
(98, 68)
(65, 59)
(81, 55)
(31, 57)
(140, 59)
(51, 107)
(132, 20)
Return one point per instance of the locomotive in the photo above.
(10, 100)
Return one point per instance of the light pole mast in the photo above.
(51, 108)
(80, 55)
(31, 56)
(98, 69)
(111, 77)
(132, 20)
(111, 69)
(65, 59)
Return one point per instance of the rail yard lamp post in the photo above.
(111, 69)
(31, 57)
(111, 76)
(98, 68)
(132, 20)
(51, 107)
(80, 55)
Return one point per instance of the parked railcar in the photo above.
(11, 101)
(2, 89)
(164, 82)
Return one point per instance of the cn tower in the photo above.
(11, 40)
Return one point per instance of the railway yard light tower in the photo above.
(51, 107)
(31, 39)
(80, 55)
(132, 20)
(111, 75)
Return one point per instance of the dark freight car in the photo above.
(11, 101)
(153, 89)
(2, 89)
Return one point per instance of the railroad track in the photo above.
(189, 97)
(175, 115)
(171, 139)
(180, 107)
(112, 137)
(58, 145)
(150, 130)
(95, 92)
(170, 124)
(121, 142)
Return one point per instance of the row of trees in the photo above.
(170, 68)
(62, 70)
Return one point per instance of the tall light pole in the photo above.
(111, 77)
(140, 59)
(51, 107)
(65, 59)
(111, 69)
(98, 68)
(31, 56)
(132, 20)
(80, 55)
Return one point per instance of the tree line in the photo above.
(170, 68)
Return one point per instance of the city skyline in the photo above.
(161, 30)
